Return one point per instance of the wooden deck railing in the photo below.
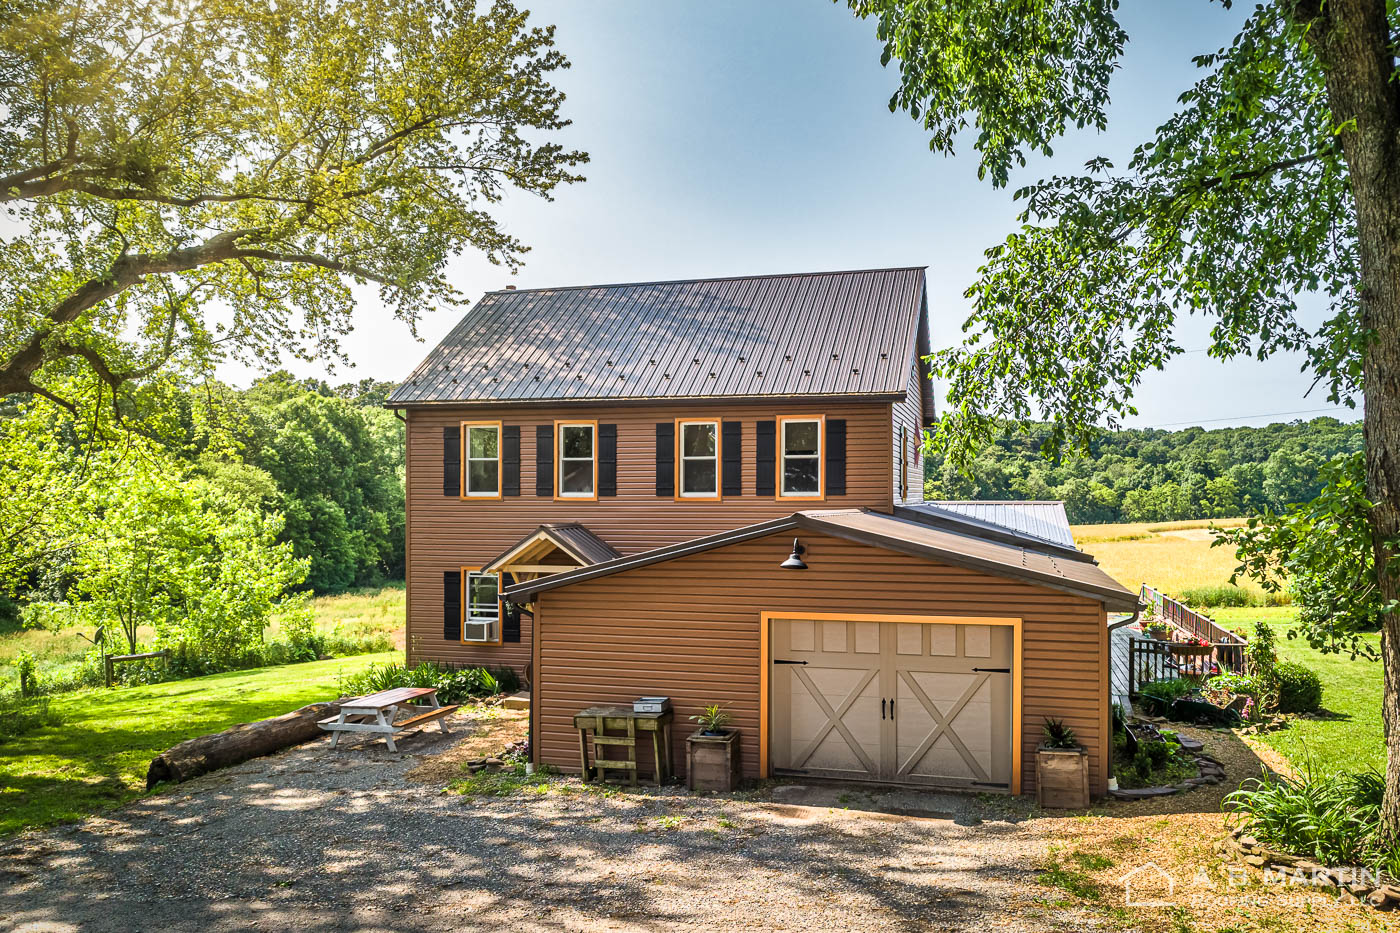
(1187, 619)
(1150, 659)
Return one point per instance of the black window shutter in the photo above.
(510, 460)
(666, 458)
(544, 460)
(452, 605)
(607, 459)
(510, 621)
(733, 455)
(835, 456)
(765, 442)
(452, 461)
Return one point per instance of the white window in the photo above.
(482, 463)
(578, 465)
(482, 607)
(800, 458)
(699, 460)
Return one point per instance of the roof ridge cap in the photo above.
(710, 278)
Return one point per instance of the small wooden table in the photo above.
(375, 713)
(602, 718)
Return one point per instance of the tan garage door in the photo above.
(902, 702)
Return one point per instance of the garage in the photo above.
(889, 651)
(894, 699)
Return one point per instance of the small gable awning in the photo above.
(553, 549)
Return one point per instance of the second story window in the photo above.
(800, 458)
(697, 467)
(481, 465)
(577, 472)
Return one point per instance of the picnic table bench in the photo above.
(375, 713)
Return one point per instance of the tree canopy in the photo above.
(192, 180)
(1277, 177)
(1149, 475)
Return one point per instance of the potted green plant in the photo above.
(1158, 629)
(1061, 768)
(712, 752)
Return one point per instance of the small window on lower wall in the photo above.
(481, 607)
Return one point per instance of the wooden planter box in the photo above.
(1062, 778)
(712, 761)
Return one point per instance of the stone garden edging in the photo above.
(1354, 881)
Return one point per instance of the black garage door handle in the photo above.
(777, 661)
(992, 670)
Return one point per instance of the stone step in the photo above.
(519, 700)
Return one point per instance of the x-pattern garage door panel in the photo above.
(829, 701)
(921, 703)
(953, 706)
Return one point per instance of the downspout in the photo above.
(1137, 613)
(407, 537)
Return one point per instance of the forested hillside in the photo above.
(1157, 475)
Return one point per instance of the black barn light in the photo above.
(794, 562)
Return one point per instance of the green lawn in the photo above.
(358, 614)
(98, 757)
(1350, 689)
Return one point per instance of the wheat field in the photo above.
(1171, 556)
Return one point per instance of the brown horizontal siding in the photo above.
(689, 629)
(447, 532)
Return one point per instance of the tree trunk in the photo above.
(207, 753)
(1352, 41)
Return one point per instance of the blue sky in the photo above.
(732, 138)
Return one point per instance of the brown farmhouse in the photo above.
(603, 482)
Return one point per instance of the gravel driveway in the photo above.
(314, 839)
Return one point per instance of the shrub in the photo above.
(25, 669)
(1261, 654)
(1220, 595)
(1332, 819)
(20, 716)
(1058, 735)
(1299, 688)
(1168, 690)
(452, 684)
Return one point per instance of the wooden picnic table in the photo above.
(375, 713)
(602, 718)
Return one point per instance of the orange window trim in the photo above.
(719, 459)
(766, 620)
(466, 606)
(821, 459)
(558, 459)
(466, 445)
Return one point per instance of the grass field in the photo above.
(1351, 691)
(359, 613)
(99, 755)
(1171, 556)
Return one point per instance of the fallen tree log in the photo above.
(206, 753)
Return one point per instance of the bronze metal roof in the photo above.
(825, 334)
(1079, 577)
(573, 539)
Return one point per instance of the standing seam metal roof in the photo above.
(824, 333)
(1075, 576)
(1043, 519)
